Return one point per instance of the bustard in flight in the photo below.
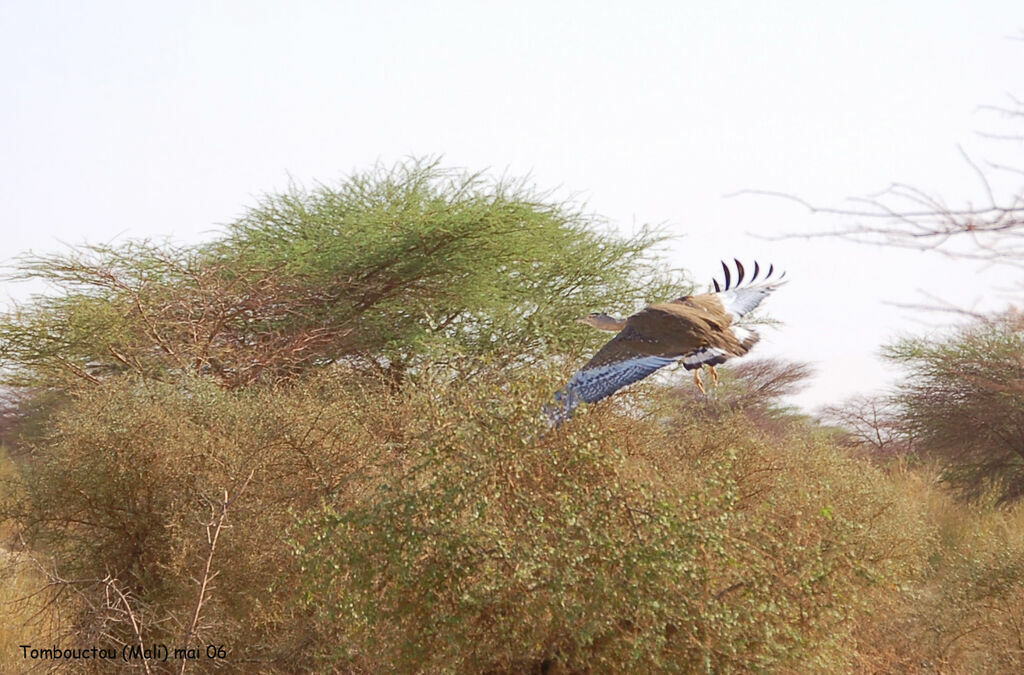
(698, 330)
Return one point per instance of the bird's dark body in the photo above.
(673, 329)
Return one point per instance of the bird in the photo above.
(697, 330)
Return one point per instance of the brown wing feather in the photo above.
(671, 330)
(629, 343)
(706, 321)
(708, 304)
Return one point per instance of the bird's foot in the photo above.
(697, 381)
(714, 375)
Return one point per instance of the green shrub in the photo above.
(611, 544)
(963, 404)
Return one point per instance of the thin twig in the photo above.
(213, 529)
(112, 584)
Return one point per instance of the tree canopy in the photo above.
(387, 270)
(963, 403)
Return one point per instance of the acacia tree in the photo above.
(435, 264)
(390, 269)
(872, 422)
(963, 403)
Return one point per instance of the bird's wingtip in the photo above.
(560, 412)
(729, 284)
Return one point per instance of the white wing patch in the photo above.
(744, 300)
(743, 334)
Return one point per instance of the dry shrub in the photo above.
(821, 537)
(967, 614)
(754, 388)
(614, 543)
(25, 610)
(121, 492)
(28, 618)
(441, 527)
(870, 424)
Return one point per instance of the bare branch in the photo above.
(213, 530)
(904, 216)
(123, 600)
(872, 421)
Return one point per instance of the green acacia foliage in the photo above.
(388, 270)
(963, 403)
(433, 259)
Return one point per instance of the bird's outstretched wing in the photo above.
(737, 299)
(594, 384)
(590, 385)
(621, 362)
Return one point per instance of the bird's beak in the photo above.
(581, 319)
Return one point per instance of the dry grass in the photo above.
(966, 614)
(27, 616)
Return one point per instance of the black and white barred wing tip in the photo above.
(738, 299)
(590, 385)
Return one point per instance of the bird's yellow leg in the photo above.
(714, 375)
(697, 381)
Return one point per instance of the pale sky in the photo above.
(136, 119)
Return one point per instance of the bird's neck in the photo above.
(608, 323)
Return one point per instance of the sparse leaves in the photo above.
(963, 403)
